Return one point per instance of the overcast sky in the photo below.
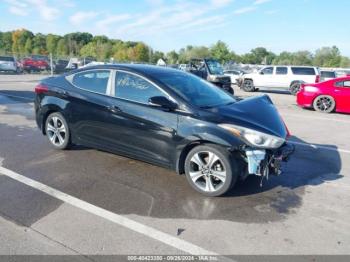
(171, 24)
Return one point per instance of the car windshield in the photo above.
(215, 67)
(195, 90)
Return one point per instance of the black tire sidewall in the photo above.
(228, 161)
(66, 143)
(293, 87)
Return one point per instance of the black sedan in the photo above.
(166, 117)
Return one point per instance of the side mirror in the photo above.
(261, 72)
(163, 102)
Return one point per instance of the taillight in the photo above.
(317, 79)
(41, 88)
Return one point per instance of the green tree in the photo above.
(221, 52)
(345, 62)
(155, 56)
(327, 57)
(172, 57)
(6, 42)
(19, 39)
(141, 52)
(28, 46)
(39, 44)
(51, 43)
(61, 49)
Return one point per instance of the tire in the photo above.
(248, 85)
(57, 131)
(324, 104)
(211, 170)
(294, 88)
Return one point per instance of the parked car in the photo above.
(60, 66)
(280, 78)
(9, 64)
(184, 67)
(166, 117)
(326, 75)
(212, 71)
(326, 97)
(35, 63)
(234, 75)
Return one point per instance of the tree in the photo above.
(221, 52)
(19, 39)
(327, 57)
(6, 42)
(39, 44)
(61, 49)
(260, 54)
(172, 57)
(28, 46)
(141, 52)
(155, 56)
(345, 62)
(51, 43)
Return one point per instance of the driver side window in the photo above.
(132, 87)
(267, 71)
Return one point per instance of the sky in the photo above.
(165, 25)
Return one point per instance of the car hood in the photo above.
(257, 113)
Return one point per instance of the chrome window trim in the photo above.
(110, 89)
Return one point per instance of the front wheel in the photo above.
(211, 170)
(248, 85)
(324, 104)
(57, 131)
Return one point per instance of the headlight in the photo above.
(311, 89)
(254, 138)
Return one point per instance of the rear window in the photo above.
(93, 81)
(303, 71)
(328, 74)
(7, 58)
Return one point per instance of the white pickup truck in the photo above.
(280, 78)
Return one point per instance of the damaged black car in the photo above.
(165, 117)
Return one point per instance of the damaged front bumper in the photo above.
(265, 162)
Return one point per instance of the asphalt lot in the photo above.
(91, 202)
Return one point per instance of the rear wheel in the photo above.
(211, 170)
(57, 131)
(248, 85)
(294, 88)
(324, 104)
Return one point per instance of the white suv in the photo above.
(280, 77)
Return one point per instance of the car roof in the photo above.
(138, 68)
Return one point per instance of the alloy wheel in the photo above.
(324, 104)
(56, 131)
(207, 171)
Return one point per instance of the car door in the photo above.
(264, 77)
(89, 106)
(137, 128)
(281, 77)
(342, 95)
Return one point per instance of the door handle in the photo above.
(114, 109)
(63, 93)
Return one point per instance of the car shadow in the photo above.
(17, 96)
(309, 165)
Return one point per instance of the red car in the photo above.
(35, 63)
(326, 97)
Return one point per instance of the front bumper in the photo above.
(265, 162)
